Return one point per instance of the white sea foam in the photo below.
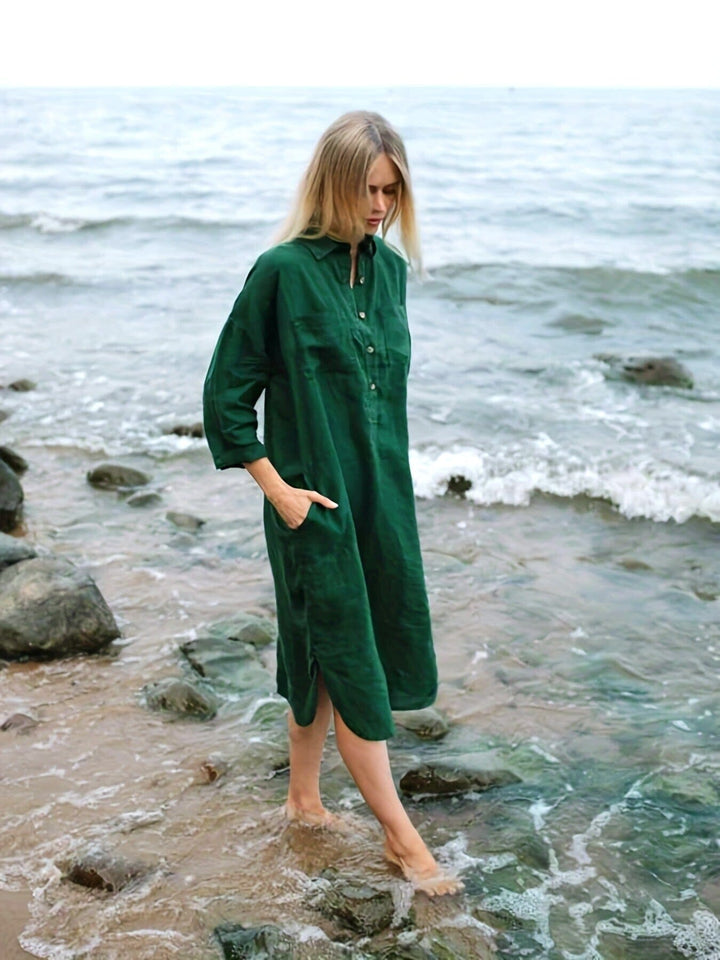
(647, 488)
(46, 223)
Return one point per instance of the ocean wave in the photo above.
(645, 489)
(45, 223)
(597, 275)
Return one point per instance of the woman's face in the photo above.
(383, 183)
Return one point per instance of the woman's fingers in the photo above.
(319, 498)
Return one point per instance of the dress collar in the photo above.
(320, 247)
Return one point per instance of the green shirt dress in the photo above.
(333, 361)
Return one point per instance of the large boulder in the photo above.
(16, 463)
(49, 608)
(11, 498)
(13, 551)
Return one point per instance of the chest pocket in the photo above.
(323, 342)
(397, 334)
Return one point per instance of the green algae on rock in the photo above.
(181, 698)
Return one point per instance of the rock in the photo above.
(657, 371)
(17, 464)
(11, 498)
(692, 788)
(144, 499)
(20, 723)
(186, 521)
(456, 942)
(651, 371)
(646, 947)
(49, 608)
(114, 476)
(227, 662)
(404, 951)
(101, 870)
(254, 943)
(244, 626)
(22, 386)
(187, 430)
(181, 697)
(449, 780)
(213, 769)
(3, 415)
(356, 905)
(428, 724)
(459, 485)
(13, 550)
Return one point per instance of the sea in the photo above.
(568, 505)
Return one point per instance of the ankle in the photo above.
(304, 801)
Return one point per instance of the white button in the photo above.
(361, 315)
(372, 386)
(371, 349)
(362, 279)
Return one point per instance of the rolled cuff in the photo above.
(239, 456)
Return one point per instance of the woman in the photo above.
(320, 326)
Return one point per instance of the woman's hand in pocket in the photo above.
(293, 504)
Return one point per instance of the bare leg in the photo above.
(369, 765)
(306, 748)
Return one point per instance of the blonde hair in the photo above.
(329, 194)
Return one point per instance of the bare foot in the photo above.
(422, 870)
(317, 817)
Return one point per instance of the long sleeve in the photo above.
(239, 372)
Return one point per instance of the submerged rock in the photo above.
(428, 724)
(11, 498)
(22, 386)
(115, 476)
(452, 943)
(639, 948)
(651, 371)
(266, 942)
(186, 521)
(187, 430)
(258, 631)
(213, 769)
(693, 788)
(451, 779)
(355, 904)
(101, 870)
(228, 662)
(17, 464)
(20, 723)
(13, 551)
(144, 498)
(181, 698)
(49, 608)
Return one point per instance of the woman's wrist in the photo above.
(266, 477)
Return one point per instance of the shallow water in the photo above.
(610, 720)
(574, 590)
